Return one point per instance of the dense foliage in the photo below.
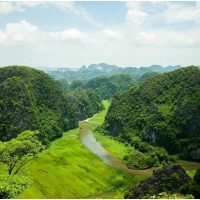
(105, 86)
(169, 179)
(84, 103)
(147, 76)
(164, 111)
(14, 156)
(19, 151)
(30, 100)
(153, 157)
(169, 182)
(12, 186)
(63, 84)
(194, 186)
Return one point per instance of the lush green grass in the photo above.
(115, 147)
(190, 167)
(99, 118)
(69, 170)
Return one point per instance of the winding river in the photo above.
(87, 138)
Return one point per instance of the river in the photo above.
(87, 138)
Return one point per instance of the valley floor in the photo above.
(67, 169)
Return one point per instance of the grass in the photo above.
(99, 118)
(112, 145)
(190, 167)
(69, 170)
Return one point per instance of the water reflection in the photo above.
(90, 142)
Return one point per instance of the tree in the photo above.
(12, 186)
(197, 176)
(18, 152)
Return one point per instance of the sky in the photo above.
(72, 34)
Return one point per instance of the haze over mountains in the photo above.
(101, 69)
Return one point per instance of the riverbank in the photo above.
(120, 149)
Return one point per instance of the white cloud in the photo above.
(110, 34)
(134, 4)
(20, 6)
(21, 32)
(70, 35)
(177, 12)
(26, 33)
(6, 7)
(135, 17)
(62, 5)
(165, 38)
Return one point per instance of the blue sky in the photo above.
(72, 34)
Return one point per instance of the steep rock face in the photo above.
(30, 99)
(165, 110)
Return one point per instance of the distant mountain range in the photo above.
(103, 69)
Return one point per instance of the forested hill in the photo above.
(165, 111)
(105, 87)
(31, 100)
(84, 103)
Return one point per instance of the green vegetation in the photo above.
(135, 153)
(164, 111)
(31, 100)
(169, 179)
(144, 155)
(169, 182)
(194, 187)
(12, 186)
(84, 103)
(112, 145)
(14, 156)
(100, 117)
(63, 84)
(17, 152)
(67, 169)
(105, 87)
(165, 195)
(147, 76)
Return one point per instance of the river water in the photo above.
(87, 138)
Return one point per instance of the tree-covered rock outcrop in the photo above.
(169, 179)
(171, 182)
(105, 87)
(31, 100)
(164, 111)
(84, 103)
